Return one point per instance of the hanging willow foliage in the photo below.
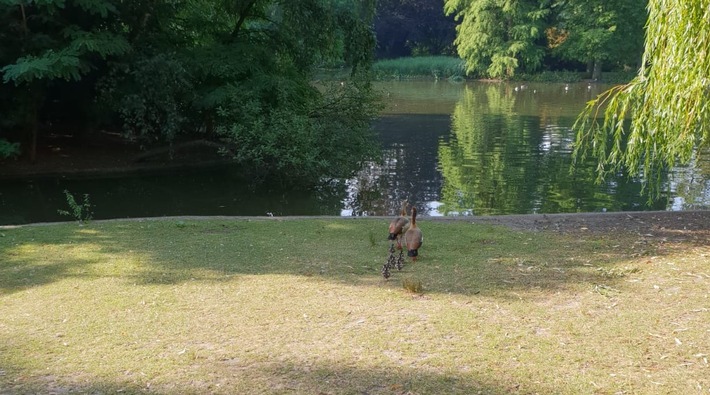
(659, 119)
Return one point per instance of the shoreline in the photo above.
(664, 225)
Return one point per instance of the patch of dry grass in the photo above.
(300, 307)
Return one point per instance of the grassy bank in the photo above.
(446, 67)
(299, 307)
(454, 69)
(438, 67)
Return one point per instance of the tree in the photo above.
(48, 42)
(661, 117)
(499, 37)
(255, 87)
(236, 73)
(599, 31)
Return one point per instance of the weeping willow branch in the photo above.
(660, 119)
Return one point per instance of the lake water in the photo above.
(471, 148)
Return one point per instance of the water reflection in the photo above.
(496, 148)
(690, 185)
(408, 169)
(451, 149)
(206, 191)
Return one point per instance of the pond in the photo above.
(474, 148)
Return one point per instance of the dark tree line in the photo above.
(413, 28)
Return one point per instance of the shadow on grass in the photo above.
(275, 377)
(457, 257)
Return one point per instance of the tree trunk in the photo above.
(597, 71)
(244, 13)
(33, 130)
(590, 68)
(209, 125)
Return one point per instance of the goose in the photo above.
(399, 225)
(413, 237)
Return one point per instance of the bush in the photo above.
(152, 96)
(8, 149)
(293, 134)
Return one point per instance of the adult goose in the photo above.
(413, 237)
(398, 226)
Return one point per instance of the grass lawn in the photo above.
(299, 306)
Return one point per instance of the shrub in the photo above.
(152, 96)
(293, 134)
(80, 211)
(8, 149)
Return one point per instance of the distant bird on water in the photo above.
(413, 237)
(399, 225)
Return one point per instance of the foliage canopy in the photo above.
(237, 73)
(598, 31)
(660, 118)
(497, 37)
(500, 38)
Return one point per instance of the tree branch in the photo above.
(243, 14)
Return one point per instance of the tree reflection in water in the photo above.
(498, 148)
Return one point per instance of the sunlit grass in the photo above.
(439, 67)
(299, 306)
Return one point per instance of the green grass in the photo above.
(299, 307)
(439, 67)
